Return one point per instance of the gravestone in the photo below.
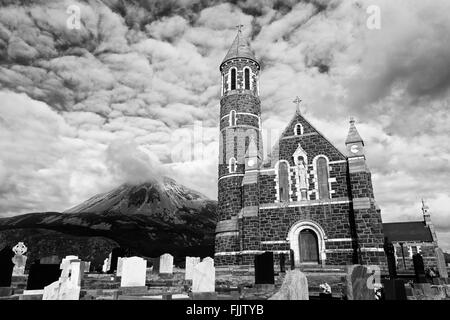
(119, 267)
(294, 287)
(282, 263)
(87, 266)
(19, 259)
(292, 259)
(204, 276)
(115, 254)
(108, 262)
(419, 268)
(359, 285)
(134, 272)
(394, 289)
(68, 286)
(191, 262)
(264, 273)
(155, 264)
(442, 268)
(41, 275)
(166, 264)
(105, 265)
(389, 250)
(6, 266)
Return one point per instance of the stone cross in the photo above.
(19, 259)
(297, 101)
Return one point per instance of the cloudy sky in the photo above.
(120, 98)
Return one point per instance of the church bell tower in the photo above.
(240, 151)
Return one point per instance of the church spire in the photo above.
(240, 48)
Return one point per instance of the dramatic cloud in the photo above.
(134, 93)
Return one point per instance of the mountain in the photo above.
(148, 219)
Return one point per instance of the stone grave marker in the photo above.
(119, 267)
(105, 265)
(442, 267)
(204, 277)
(6, 266)
(264, 273)
(19, 259)
(115, 254)
(134, 272)
(389, 249)
(191, 262)
(166, 264)
(68, 286)
(294, 287)
(108, 265)
(155, 264)
(87, 266)
(419, 268)
(359, 286)
(394, 289)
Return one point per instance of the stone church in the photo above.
(306, 197)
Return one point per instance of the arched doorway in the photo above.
(308, 246)
(307, 240)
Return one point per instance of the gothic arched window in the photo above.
(232, 118)
(232, 165)
(298, 129)
(322, 178)
(283, 181)
(233, 79)
(247, 78)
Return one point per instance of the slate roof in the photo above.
(407, 231)
(240, 48)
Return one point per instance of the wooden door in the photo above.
(309, 251)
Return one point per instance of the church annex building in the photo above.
(307, 196)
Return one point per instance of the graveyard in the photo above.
(144, 278)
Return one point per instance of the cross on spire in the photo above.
(297, 101)
(239, 27)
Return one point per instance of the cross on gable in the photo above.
(297, 101)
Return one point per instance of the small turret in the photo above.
(354, 142)
(427, 220)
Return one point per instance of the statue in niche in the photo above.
(303, 177)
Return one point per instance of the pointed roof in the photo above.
(353, 134)
(240, 48)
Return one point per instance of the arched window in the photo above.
(233, 78)
(322, 178)
(232, 118)
(298, 129)
(247, 78)
(283, 181)
(232, 165)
